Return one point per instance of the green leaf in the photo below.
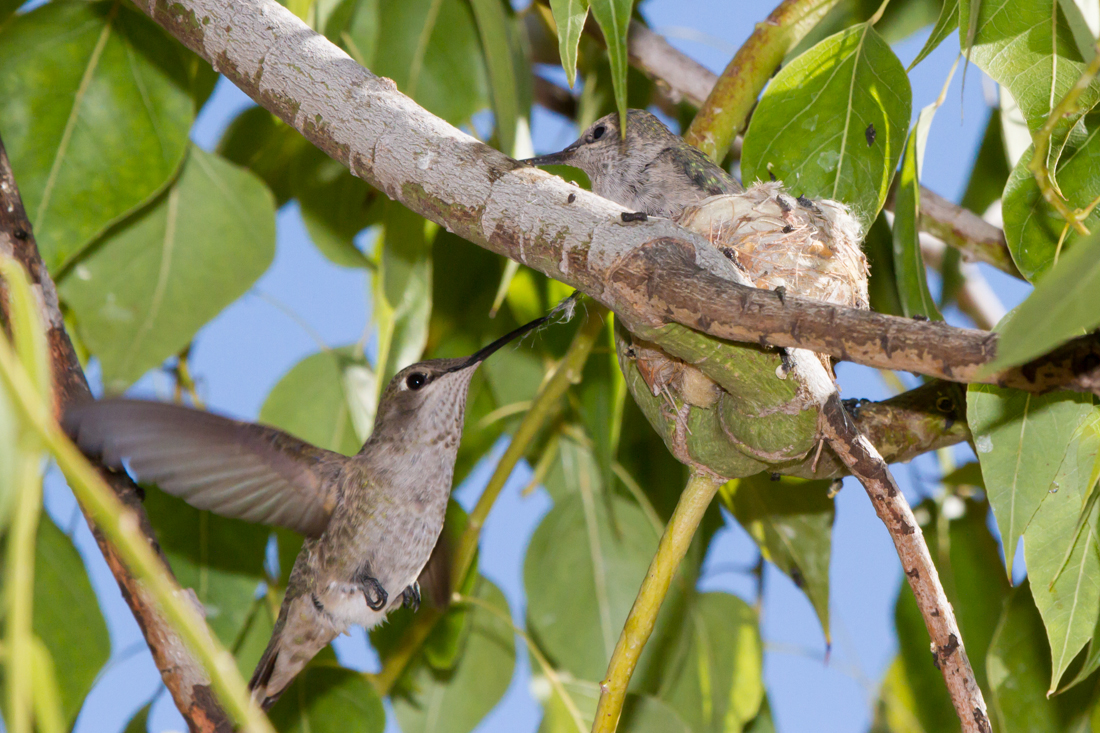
(95, 107)
(402, 290)
(882, 286)
(1021, 440)
(455, 701)
(908, 263)
(329, 699)
(430, 48)
(134, 295)
(1019, 671)
(714, 679)
(327, 399)
(335, 207)
(221, 560)
(569, 16)
(1063, 565)
(67, 617)
(9, 456)
(492, 24)
(140, 722)
(792, 522)
(812, 126)
(1065, 304)
(1033, 228)
(267, 146)
(1016, 45)
(946, 24)
(990, 171)
(582, 574)
(613, 17)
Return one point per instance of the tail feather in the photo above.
(261, 678)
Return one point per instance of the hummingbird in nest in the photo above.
(370, 520)
(652, 171)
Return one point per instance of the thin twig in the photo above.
(566, 373)
(726, 109)
(949, 654)
(120, 525)
(693, 503)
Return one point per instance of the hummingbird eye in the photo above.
(416, 380)
(598, 132)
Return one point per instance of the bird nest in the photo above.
(731, 407)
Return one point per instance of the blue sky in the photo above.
(238, 358)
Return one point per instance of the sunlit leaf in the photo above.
(945, 26)
(832, 123)
(1065, 304)
(792, 522)
(1037, 60)
(1063, 565)
(641, 713)
(212, 232)
(1021, 440)
(95, 120)
(1033, 229)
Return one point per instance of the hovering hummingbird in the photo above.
(370, 520)
(652, 171)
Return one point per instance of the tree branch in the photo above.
(539, 220)
(184, 677)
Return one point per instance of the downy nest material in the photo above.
(730, 407)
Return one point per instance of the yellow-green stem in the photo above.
(20, 588)
(726, 108)
(120, 526)
(695, 499)
(567, 372)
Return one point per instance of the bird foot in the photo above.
(411, 596)
(376, 595)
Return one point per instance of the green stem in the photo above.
(695, 499)
(120, 526)
(727, 107)
(20, 591)
(567, 372)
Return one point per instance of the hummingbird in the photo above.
(652, 171)
(370, 520)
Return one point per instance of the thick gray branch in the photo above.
(571, 235)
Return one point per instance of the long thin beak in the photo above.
(560, 158)
(484, 353)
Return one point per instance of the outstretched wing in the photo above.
(235, 469)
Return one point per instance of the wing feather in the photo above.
(235, 469)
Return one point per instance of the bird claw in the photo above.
(374, 593)
(411, 597)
